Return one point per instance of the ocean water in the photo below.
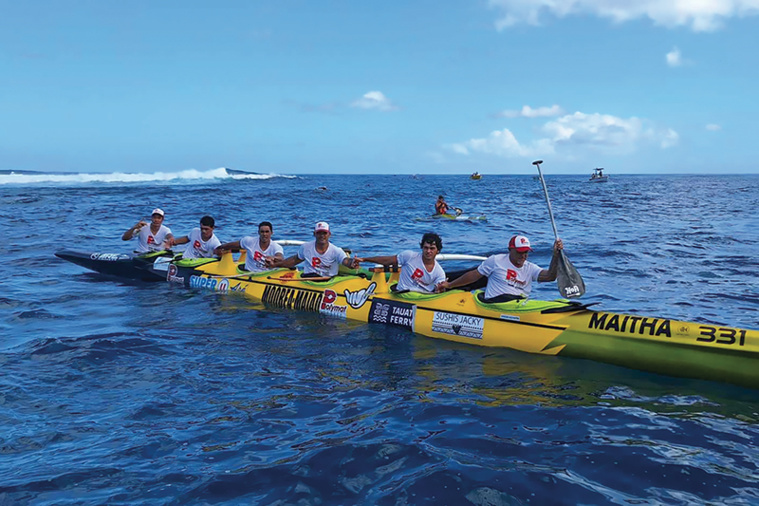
(116, 392)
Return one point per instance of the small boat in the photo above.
(458, 217)
(598, 176)
(457, 214)
(476, 176)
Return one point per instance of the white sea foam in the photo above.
(185, 176)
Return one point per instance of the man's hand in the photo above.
(442, 286)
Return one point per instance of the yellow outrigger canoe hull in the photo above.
(560, 327)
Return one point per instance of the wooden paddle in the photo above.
(569, 281)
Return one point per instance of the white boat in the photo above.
(598, 176)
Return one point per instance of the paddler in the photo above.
(322, 258)
(510, 276)
(441, 206)
(152, 238)
(420, 270)
(257, 248)
(202, 240)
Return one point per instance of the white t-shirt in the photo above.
(326, 264)
(255, 256)
(414, 276)
(146, 241)
(198, 248)
(505, 277)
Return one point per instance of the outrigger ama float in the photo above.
(561, 327)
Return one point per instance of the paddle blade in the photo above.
(568, 279)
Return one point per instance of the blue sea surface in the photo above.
(116, 392)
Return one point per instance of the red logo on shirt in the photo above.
(151, 240)
(316, 262)
(511, 274)
(417, 274)
(196, 244)
(258, 256)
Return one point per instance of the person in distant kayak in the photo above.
(150, 238)
(509, 276)
(202, 240)
(257, 248)
(322, 258)
(420, 271)
(441, 206)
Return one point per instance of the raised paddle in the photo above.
(569, 281)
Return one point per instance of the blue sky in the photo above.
(417, 87)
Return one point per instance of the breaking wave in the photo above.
(190, 176)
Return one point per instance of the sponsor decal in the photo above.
(171, 275)
(390, 312)
(510, 317)
(329, 307)
(292, 298)
(722, 335)
(161, 264)
(460, 325)
(357, 299)
(218, 285)
(151, 239)
(196, 244)
(662, 327)
(109, 257)
(630, 324)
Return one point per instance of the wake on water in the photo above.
(185, 176)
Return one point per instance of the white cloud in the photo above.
(669, 138)
(529, 112)
(674, 58)
(573, 132)
(501, 143)
(713, 127)
(374, 100)
(699, 15)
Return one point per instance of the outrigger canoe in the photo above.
(561, 327)
(144, 267)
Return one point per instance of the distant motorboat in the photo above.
(598, 176)
(475, 175)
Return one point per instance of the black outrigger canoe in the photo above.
(143, 267)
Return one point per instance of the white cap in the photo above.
(157, 211)
(322, 226)
(520, 243)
